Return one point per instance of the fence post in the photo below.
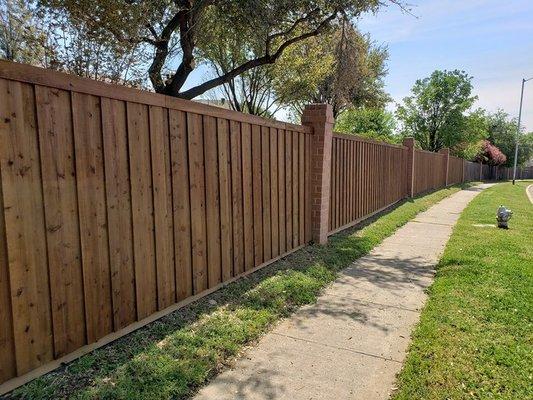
(463, 177)
(410, 144)
(320, 118)
(446, 152)
(480, 171)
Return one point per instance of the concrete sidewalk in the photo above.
(352, 342)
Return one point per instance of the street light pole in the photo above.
(518, 128)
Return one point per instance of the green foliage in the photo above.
(172, 357)
(435, 113)
(343, 67)
(474, 337)
(374, 123)
(175, 35)
(21, 38)
(502, 131)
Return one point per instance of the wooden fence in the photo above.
(118, 206)
(429, 171)
(366, 176)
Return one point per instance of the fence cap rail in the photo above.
(340, 135)
(60, 80)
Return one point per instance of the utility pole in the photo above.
(518, 128)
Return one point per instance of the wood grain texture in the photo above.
(181, 207)
(142, 209)
(25, 226)
(61, 211)
(162, 194)
(118, 189)
(226, 217)
(92, 215)
(197, 193)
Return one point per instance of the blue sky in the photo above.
(492, 40)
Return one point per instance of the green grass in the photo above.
(475, 336)
(172, 357)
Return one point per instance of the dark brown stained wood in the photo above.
(226, 218)
(24, 226)
(142, 209)
(212, 199)
(8, 367)
(282, 220)
(257, 195)
(198, 214)
(162, 192)
(58, 171)
(308, 232)
(182, 211)
(237, 197)
(332, 185)
(274, 191)
(301, 187)
(265, 174)
(288, 190)
(117, 175)
(88, 144)
(247, 197)
(295, 194)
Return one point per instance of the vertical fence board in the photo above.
(295, 188)
(257, 194)
(93, 215)
(265, 168)
(212, 201)
(117, 175)
(282, 221)
(237, 197)
(274, 191)
(195, 134)
(247, 197)
(25, 227)
(61, 217)
(226, 218)
(162, 192)
(8, 367)
(182, 211)
(308, 231)
(288, 189)
(142, 209)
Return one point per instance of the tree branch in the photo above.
(263, 60)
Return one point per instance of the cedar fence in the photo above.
(119, 206)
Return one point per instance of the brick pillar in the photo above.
(320, 118)
(446, 153)
(480, 171)
(410, 144)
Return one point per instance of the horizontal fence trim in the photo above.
(44, 369)
(357, 138)
(59, 80)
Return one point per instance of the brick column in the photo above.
(410, 144)
(320, 118)
(446, 153)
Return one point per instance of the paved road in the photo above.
(352, 342)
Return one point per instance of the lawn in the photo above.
(172, 357)
(475, 337)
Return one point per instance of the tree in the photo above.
(502, 133)
(177, 30)
(435, 112)
(21, 38)
(373, 123)
(351, 76)
(491, 154)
